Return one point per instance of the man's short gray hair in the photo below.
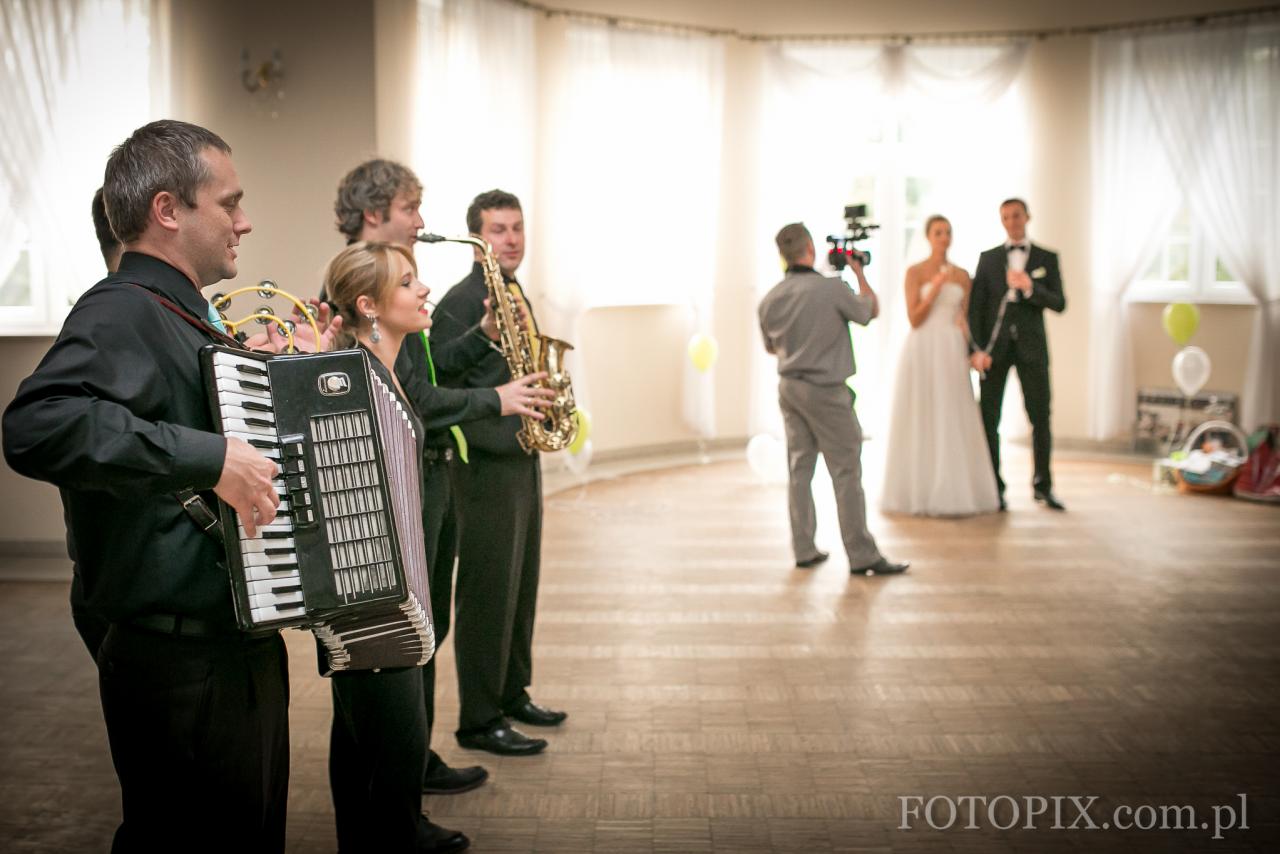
(163, 156)
(793, 241)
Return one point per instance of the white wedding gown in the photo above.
(937, 458)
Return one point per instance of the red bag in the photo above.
(1259, 478)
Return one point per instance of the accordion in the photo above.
(345, 555)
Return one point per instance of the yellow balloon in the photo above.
(584, 431)
(1181, 320)
(703, 351)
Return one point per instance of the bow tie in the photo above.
(1019, 247)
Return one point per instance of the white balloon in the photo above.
(577, 463)
(767, 458)
(1191, 370)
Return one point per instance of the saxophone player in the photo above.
(499, 499)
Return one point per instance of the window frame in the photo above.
(1201, 285)
(39, 317)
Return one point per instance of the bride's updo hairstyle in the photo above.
(362, 269)
(928, 223)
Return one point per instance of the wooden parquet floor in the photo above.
(723, 701)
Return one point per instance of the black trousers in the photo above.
(91, 628)
(499, 500)
(440, 531)
(199, 734)
(1033, 376)
(377, 753)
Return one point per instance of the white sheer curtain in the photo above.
(946, 74)
(632, 181)
(906, 130)
(474, 120)
(603, 132)
(822, 118)
(1192, 113)
(77, 78)
(1214, 95)
(1135, 197)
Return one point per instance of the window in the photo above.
(15, 269)
(79, 78)
(1186, 269)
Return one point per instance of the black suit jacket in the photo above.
(1022, 330)
(440, 408)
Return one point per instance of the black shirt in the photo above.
(117, 418)
(441, 408)
(460, 309)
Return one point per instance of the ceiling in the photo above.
(771, 17)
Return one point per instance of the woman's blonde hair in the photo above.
(362, 269)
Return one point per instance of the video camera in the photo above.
(842, 246)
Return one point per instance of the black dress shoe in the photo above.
(1003, 506)
(431, 838)
(504, 741)
(1048, 499)
(531, 713)
(810, 563)
(882, 567)
(440, 779)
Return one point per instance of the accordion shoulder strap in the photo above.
(220, 337)
(196, 508)
(199, 512)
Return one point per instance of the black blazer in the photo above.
(1026, 315)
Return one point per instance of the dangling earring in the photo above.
(375, 336)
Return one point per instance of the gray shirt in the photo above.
(805, 322)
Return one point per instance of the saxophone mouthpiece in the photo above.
(427, 237)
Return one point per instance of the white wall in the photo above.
(290, 165)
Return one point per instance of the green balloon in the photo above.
(584, 431)
(1181, 320)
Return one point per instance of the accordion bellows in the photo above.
(345, 556)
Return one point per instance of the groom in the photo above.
(1027, 275)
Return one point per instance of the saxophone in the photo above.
(527, 351)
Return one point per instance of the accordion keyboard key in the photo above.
(270, 560)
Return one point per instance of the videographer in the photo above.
(805, 322)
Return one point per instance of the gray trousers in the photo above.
(820, 419)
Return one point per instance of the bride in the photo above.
(937, 459)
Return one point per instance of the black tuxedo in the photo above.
(1021, 343)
